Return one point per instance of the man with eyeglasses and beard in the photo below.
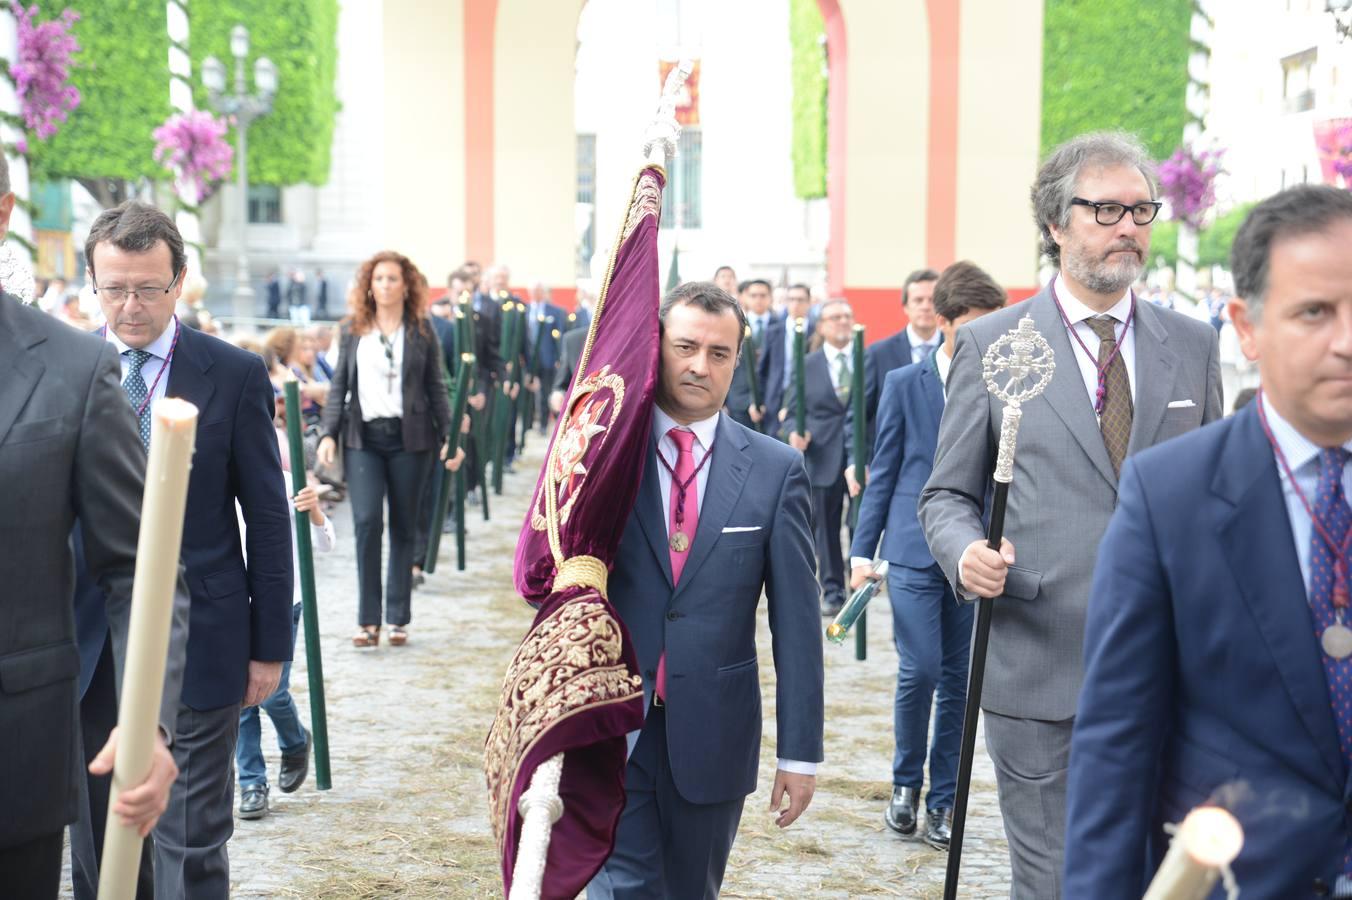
(1128, 375)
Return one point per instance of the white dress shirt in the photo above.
(159, 359)
(833, 356)
(704, 430)
(1078, 314)
(666, 448)
(381, 396)
(918, 344)
(1302, 455)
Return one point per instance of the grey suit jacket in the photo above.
(1063, 491)
(754, 534)
(68, 449)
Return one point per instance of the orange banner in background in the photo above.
(687, 102)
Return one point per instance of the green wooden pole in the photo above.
(860, 450)
(502, 414)
(799, 389)
(749, 349)
(314, 664)
(459, 397)
(460, 492)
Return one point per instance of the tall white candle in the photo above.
(173, 433)
(1208, 840)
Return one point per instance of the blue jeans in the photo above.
(285, 720)
(933, 634)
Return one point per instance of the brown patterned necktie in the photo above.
(1115, 422)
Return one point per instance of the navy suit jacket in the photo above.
(770, 384)
(1203, 678)
(239, 612)
(825, 456)
(707, 623)
(885, 356)
(909, 411)
(555, 320)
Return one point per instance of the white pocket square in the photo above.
(1181, 404)
(732, 529)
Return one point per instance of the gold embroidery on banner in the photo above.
(647, 202)
(596, 404)
(571, 663)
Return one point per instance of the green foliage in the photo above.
(122, 74)
(1163, 245)
(291, 144)
(1213, 245)
(1116, 64)
(807, 35)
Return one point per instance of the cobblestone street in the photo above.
(407, 815)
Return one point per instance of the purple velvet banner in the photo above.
(573, 686)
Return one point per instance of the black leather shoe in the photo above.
(295, 766)
(938, 827)
(253, 801)
(832, 608)
(900, 813)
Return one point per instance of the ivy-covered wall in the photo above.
(291, 144)
(1116, 64)
(122, 72)
(807, 35)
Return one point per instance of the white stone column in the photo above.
(180, 98)
(1196, 102)
(20, 223)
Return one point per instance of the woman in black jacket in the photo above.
(388, 405)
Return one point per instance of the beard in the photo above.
(1104, 275)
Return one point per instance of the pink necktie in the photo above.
(682, 520)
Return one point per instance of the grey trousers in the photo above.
(191, 862)
(1031, 757)
(665, 846)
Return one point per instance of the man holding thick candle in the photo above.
(1218, 649)
(67, 449)
(241, 613)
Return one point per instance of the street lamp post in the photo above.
(243, 108)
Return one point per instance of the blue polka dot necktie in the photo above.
(137, 392)
(1333, 513)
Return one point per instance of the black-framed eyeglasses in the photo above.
(1110, 212)
(146, 293)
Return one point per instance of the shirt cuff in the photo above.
(857, 561)
(794, 767)
(962, 591)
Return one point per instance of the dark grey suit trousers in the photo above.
(191, 862)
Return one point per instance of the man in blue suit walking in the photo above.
(1218, 660)
(930, 628)
(240, 619)
(722, 515)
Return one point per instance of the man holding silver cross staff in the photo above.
(1130, 375)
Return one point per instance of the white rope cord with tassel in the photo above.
(540, 805)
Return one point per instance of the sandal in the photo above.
(398, 636)
(367, 636)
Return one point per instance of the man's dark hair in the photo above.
(722, 269)
(1244, 398)
(917, 275)
(802, 287)
(707, 296)
(136, 228)
(752, 282)
(963, 287)
(1294, 212)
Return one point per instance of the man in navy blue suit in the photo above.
(827, 378)
(240, 619)
(545, 324)
(1218, 661)
(910, 345)
(722, 514)
(930, 628)
(761, 352)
